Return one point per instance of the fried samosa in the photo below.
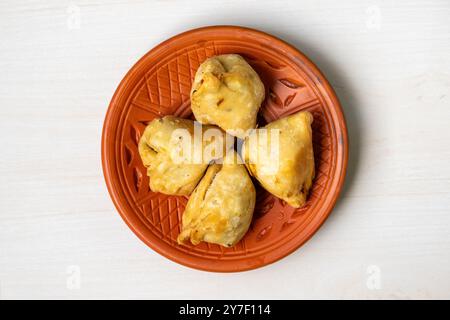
(227, 92)
(177, 154)
(221, 207)
(289, 172)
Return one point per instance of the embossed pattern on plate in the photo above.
(159, 84)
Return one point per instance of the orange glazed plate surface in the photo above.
(159, 84)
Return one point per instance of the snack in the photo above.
(227, 92)
(289, 176)
(161, 149)
(221, 207)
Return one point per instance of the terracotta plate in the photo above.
(159, 84)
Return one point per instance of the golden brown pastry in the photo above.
(221, 207)
(171, 170)
(227, 92)
(289, 176)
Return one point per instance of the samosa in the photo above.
(227, 92)
(221, 207)
(283, 162)
(178, 151)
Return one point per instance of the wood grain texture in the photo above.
(60, 64)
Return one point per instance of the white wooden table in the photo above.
(60, 235)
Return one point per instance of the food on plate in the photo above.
(177, 152)
(227, 92)
(221, 207)
(183, 157)
(288, 174)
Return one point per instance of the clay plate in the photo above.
(159, 84)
